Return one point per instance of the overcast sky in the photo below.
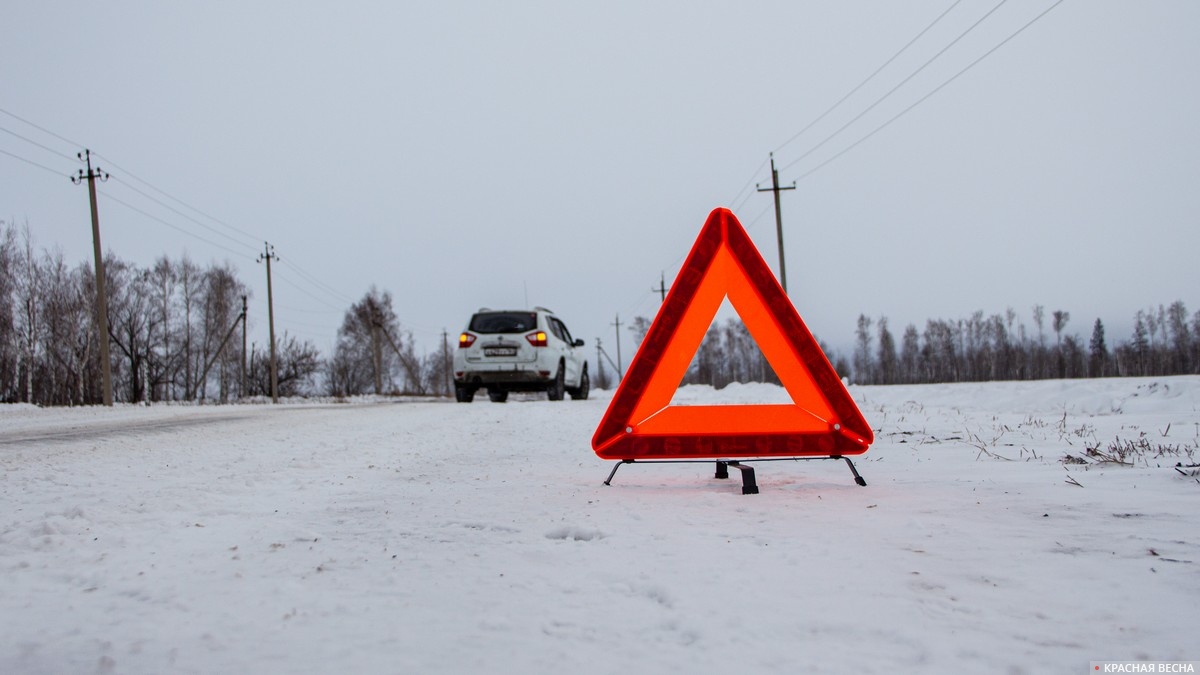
(468, 154)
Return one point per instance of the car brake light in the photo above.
(465, 340)
(537, 339)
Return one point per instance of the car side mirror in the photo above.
(578, 343)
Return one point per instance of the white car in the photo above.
(519, 350)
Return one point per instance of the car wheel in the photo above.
(581, 392)
(464, 393)
(498, 395)
(555, 391)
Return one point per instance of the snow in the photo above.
(376, 536)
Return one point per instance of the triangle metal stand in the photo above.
(749, 483)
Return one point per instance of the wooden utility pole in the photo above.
(446, 359)
(662, 286)
(599, 364)
(778, 218)
(268, 254)
(101, 297)
(617, 323)
(242, 391)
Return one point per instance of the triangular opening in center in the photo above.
(729, 368)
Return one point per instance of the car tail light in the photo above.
(465, 340)
(537, 339)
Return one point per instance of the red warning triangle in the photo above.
(640, 422)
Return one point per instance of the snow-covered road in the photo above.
(433, 537)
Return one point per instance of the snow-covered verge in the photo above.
(420, 537)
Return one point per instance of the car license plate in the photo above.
(499, 351)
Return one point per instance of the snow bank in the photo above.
(437, 537)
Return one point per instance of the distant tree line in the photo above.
(1165, 341)
(728, 353)
(168, 325)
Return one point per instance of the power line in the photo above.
(33, 142)
(173, 227)
(30, 161)
(311, 311)
(312, 326)
(305, 291)
(316, 283)
(179, 213)
(930, 94)
(735, 204)
(632, 308)
(74, 144)
(746, 188)
(303, 334)
(891, 91)
(305, 276)
(635, 306)
(869, 78)
(319, 285)
(754, 221)
(249, 236)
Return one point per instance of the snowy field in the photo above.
(431, 537)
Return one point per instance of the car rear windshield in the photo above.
(503, 322)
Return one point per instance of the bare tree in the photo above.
(863, 366)
(889, 366)
(68, 331)
(346, 373)
(1098, 362)
(166, 361)
(706, 366)
(1060, 322)
(298, 364)
(638, 327)
(190, 278)
(1180, 338)
(910, 356)
(28, 294)
(222, 303)
(1196, 342)
(371, 339)
(131, 326)
(436, 371)
(9, 350)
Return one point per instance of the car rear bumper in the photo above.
(517, 377)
